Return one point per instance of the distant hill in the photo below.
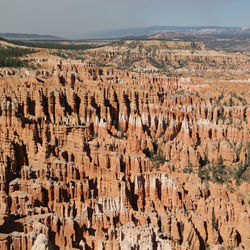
(234, 39)
(19, 36)
(144, 32)
(218, 38)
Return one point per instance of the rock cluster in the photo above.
(93, 158)
(181, 57)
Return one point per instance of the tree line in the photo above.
(9, 57)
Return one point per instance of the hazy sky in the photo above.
(72, 17)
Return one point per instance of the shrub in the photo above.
(214, 222)
(220, 98)
(231, 102)
(204, 162)
(203, 174)
(188, 169)
(181, 229)
(156, 156)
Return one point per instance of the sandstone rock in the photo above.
(42, 243)
(101, 158)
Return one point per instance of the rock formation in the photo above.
(173, 57)
(100, 158)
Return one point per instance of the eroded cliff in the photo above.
(100, 158)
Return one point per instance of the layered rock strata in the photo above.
(93, 158)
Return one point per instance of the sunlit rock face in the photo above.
(100, 158)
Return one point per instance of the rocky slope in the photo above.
(101, 158)
(171, 57)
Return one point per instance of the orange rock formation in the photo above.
(98, 158)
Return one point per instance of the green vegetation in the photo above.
(133, 45)
(14, 52)
(2, 39)
(118, 127)
(156, 156)
(220, 98)
(214, 222)
(230, 117)
(237, 150)
(188, 169)
(121, 136)
(197, 94)
(95, 135)
(99, 64)
(239, 172)
(204, 161)
(60, 54)
(219, 173)
(223, 174)
(156, 64)
(221, 116)
(207, 247)
(55, 45)
(243, 170)
(215, 173)
(11, 62)
(181, 229)
(231, 102)
(126, 64)
(203, 174)
(9, 57)
(242, 100)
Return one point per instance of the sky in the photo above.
(67, 18)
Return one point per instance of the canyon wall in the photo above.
(100, 158)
